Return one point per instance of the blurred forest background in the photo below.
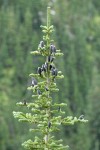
(77, 34)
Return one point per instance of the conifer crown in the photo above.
(46, 115)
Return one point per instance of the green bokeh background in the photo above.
(77, 34)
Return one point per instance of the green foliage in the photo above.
(44, 112)
(77, 32)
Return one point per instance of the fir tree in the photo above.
(46, 115)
